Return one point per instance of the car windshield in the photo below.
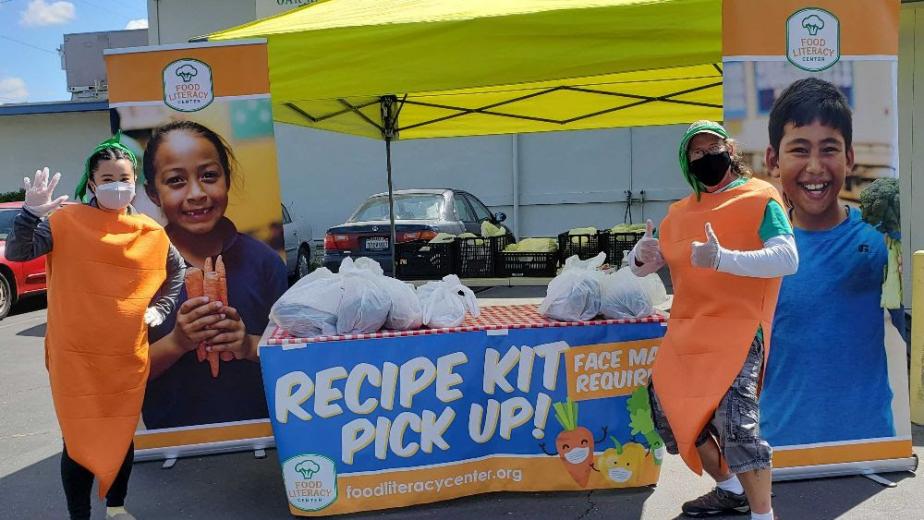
(407, 207)
(6, 221)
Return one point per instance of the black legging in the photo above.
(78, 484)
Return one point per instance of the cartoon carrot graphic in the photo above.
(575, 444)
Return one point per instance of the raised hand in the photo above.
(39, 192)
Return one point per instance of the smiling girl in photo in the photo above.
(188, 170)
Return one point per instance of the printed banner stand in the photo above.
(821, 430)
(510, 402)
(199, 118)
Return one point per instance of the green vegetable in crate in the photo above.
(628, 228)
(583, 231)
(489, 230)
(478, 242)
(443, 238)
(533, 245)
(880, 204)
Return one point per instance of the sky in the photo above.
(32, 30)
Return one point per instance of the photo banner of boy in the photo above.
(199, 118)
(811, 96)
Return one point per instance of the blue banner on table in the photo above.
(378, 423)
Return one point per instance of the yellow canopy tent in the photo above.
(410, 69)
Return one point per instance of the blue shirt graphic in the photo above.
(186, 394)
(827, 377)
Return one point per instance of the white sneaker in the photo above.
(119, 514)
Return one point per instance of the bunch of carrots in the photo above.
(214, 284)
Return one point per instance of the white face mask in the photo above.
(619, 474)
(115, 195)
(577, 455)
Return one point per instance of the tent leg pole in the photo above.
(391, 207)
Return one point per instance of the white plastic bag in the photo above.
(444, 303)
(405, 312)
(575, 294)
(628, 296)
(365, 304)
(309, 308)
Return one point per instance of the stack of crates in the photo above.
(583, 245)
(617, 245)
(421, 260)
(479, 257)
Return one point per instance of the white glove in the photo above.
(38, 193)
(153, 317)
(708, 254)
(648, 248)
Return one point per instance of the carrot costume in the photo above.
(103, 272)
(708, 335)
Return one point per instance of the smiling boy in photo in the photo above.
(827, 376)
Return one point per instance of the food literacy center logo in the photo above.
(311, 481)
(188, 85)
(813, 39)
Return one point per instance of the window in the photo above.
(463, 211)
(286, 218)
(407, 207)
(481, 211)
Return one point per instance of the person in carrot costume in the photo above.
(728, 245)
(188, 170)
(109, 269)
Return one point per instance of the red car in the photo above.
(17, 279)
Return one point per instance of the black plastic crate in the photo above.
(617, 245)
(478, 257)
(584, 246)
(421, 260)
(529, 264)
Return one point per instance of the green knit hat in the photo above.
(113, 142)
(700, 127)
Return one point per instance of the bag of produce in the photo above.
(625, 295)
(445, 302)
(405, 312)
(365, 304)
(309, 308)
(575, 294)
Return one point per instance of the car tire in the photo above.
(6, 296)
(302, 262)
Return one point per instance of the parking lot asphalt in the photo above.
(239, 486)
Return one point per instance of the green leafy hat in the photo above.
(114, 142)
(700, 127)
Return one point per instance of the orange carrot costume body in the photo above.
(103, 272)
(715, 315)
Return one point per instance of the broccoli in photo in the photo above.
(880, 205)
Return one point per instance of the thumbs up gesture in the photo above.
(706, 254)
(648, 248)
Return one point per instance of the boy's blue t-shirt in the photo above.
(827, 376)
(186, 394)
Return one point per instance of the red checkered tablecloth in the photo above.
(491, 318)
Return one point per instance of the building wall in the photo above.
(178, 21)
(59, 141)
(560, 180)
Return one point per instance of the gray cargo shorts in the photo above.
(736, 422)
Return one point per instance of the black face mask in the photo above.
(710, 169)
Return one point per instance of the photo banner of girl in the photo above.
(200, 121)
(811, 93)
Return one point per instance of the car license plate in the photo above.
(377, 243)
